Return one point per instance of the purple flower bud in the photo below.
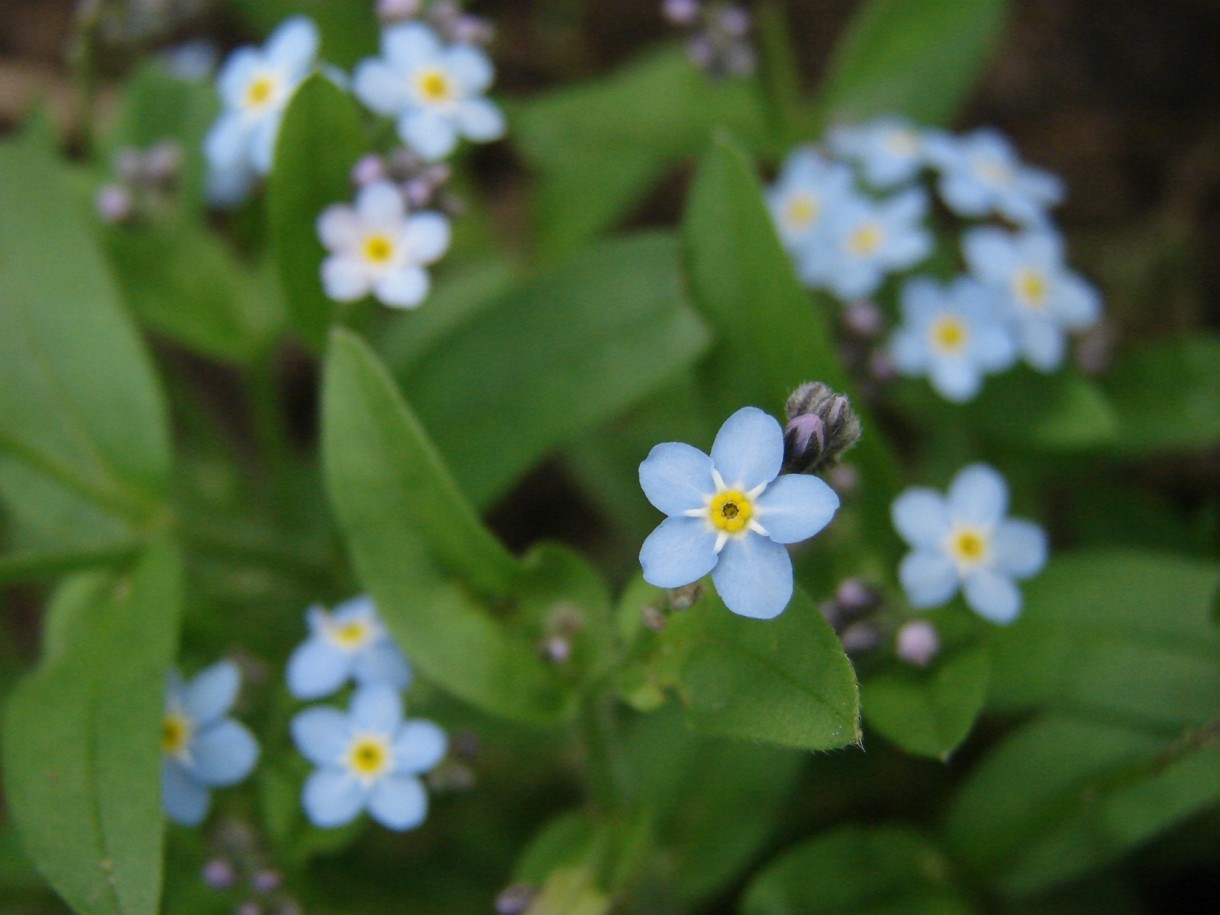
(398, 10)
(267, 881)
(515, 899)
(473, 30)
(368, 169)
(685, 597)
(739, 59)
(417, 192)
(863, 318)
(219, 874)
(162, 162)
(881, 366)
(129, 165)
(917, 643)
(701, 51)
(249, 907)
(653, 618)
(860, 638)
(114, 204)
(557, 649)
(821, 427)
(1096, 349)
(855, 594)
(681, 12)
(844, 479)
(734, 21)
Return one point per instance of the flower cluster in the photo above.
(368, 757)
(717, 35)
(145, 180)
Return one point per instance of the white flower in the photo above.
(377, 247)
(349, 643)
(890, 151)
(807, 188)
(435, 90)
(980, 174)
(1042, 297)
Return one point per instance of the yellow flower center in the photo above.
(803, 211)
(434, 87)
(378, 249)
(949, 334)
(968, 546)
(901, 143)
(351, 635)
(1031, 288)
(730, 511)
(865, 240)
(175, 734)
(368, 757)
(260, 91)
(993, 171)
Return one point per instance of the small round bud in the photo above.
(556, 649)
(734, 20)
(515, 899)
(267, 881)
(863, 318)
(844, 479)
(114, 204)
(681, 12)
(821, 427)
(702, 51)
(417, 192)
(129, 165)
(881, 366)
(1096, 349)
(219, 874)
(162, 162)
(917, 643)
(685, 597)
(473, 30)
(368, 169)
(398, 10)
(249, 907)
(855, 594)
(653, 618)
(860, 638)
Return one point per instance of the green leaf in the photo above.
(1033, 411)
(918, 58)
(320, 139)
(601, 146)
(928, 712)
(78, 398)
(1167, 396)
(570, 891)
(409, 529)
(349, 30)
(614, 324)
(874, 869)
(82, 755)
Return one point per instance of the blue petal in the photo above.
(398, 802)
(1043, 343)
(470, 67)
(1018, 548)
(405, 287)
(429, 133)
(355, 609)
(331, 798)
(223, 754)
(234, 77)
(293, 45)
(992, 596)
(381, 87)
(977, 495)
(211, 693)
(382, 662)
(754, 577)
(795, 507)
(376, 708)
(185, 800)
(410, 44)
(1077, 303)
(680, 551)
(990, 254)
(317, 668)
(262, 142)
(921, 518)
(995, 346)
(955, 379)
(322, 735)
(227, 143)
(427, 236)
(676, 477)
(419, 746)
(480, 120)
(749, 448)
(929, 579)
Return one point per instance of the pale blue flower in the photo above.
(954, 334)
(435, 90)
(865, 241)
(201, 748)
(367, 759)
(889, 151)
(807, 187)
(255, 86)
(1041, 296)
(350, 643)
(377, 247)
(731, 514)
(964, 540)
(980, 174)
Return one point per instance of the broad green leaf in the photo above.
(1166, 396)
(78, 398)
(410, 531)
(24, 565)
(1117, 635)
(1060, 412)
(918, 58)
(555, 358)
(82, 755)
(320, 139)
(600, 147)
(570, 891)
(44, 516)
(349, 30)
(874, 869)
(928, 712)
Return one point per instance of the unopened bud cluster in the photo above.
(444, 16)
(421, 183)
(240, 865)
(145, 183)
(821, 427)
(718, 35)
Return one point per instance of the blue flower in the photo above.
(1042, 297)
(368, 759)
(964, 540)
(730, 514)
(980, 174)
(889, 151)
(953, 334)
(866, 240)
(808, 186)
(255, 86)
(201, 748)
(350, 643)
(435, 90)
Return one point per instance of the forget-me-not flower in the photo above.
(368, 758)
(864, 241)
(731, 514)
(889, 151)
(377, 247)
(435, 90)
(980, 174)
(255, 86)
(807, 187)
(964, 540)
(954, 334)
(1042, 297)
(350, 643)
(201, 748)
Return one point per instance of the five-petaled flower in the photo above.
(731, 514)
(889, 151)
(368, 759)
(964, 540)
(201, 748)
(349, 643)
(435, 90)
(377, 247)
